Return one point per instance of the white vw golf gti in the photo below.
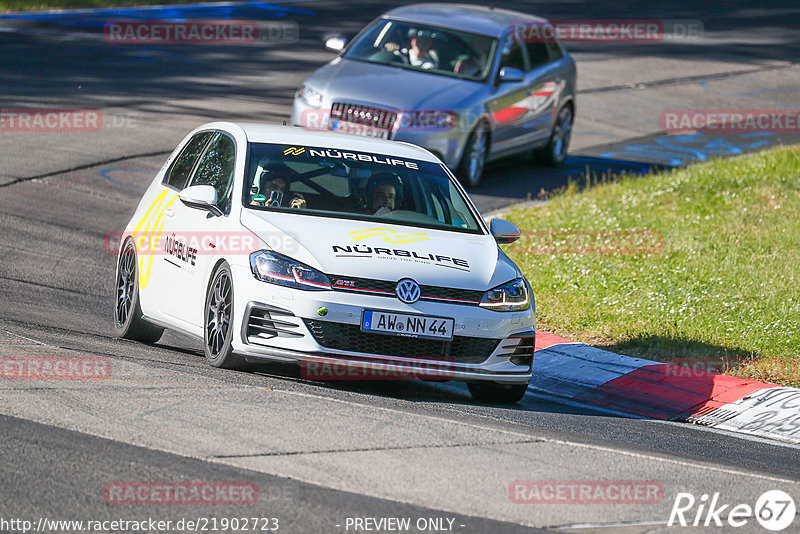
(275, 243)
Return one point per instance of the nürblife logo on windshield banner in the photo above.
(333, 153)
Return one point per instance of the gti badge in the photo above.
(407, 291)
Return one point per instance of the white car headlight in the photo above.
(511, 296)
(278, 269)
(310, 96)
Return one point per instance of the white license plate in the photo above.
(359, 129)
(401, 324)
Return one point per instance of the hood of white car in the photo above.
(382, 250)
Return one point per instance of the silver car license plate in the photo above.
(402, 324)
(359, 129)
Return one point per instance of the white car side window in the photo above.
(181, 168)
(216, 169)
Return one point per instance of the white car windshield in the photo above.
(427, 48)
(329, 182)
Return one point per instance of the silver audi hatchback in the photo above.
(471, 84)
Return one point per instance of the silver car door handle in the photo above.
(169, 212)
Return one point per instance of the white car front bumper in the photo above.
(279, 323)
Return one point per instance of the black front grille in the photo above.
(364, 284)
(386, 288)
(349, 337)
(366, 115)
(448, 293)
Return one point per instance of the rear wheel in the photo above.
(128, 320)
(473, 159)
(218, 322)
(554, 152)
(497, 392)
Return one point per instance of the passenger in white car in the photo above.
(273, 189)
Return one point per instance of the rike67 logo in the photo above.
(774, 510)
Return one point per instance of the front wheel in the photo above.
(218, 322)
(473, 159)
(555, 151)
(497, 392)
(128, 320)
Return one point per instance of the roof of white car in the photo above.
(469, 18)
(297, 136)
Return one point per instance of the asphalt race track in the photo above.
(320, 453)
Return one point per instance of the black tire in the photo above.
(128, 320)
(496, 392)
(473, 160)
(218, 322)
(554, 152)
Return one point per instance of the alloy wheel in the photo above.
(562, 133)
(126, 277)
(477, 155)
(218, 314)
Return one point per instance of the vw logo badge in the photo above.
(408, 291)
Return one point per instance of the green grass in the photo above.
(36, 5)
(724, 286)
